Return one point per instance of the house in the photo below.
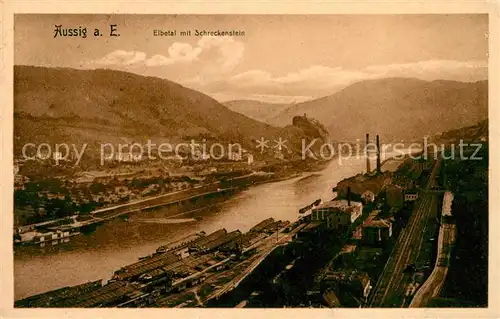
(394, 195)
(377, 231)
(411, 195)
(330, 299)
(337, 213)
(344, 215)
(309, 231)
(126, 157)
(234, 156)
(249, 159)
(348, 249)
(279, 155)
(368, 196)
(353, 283)
(57, 156)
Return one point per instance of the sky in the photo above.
(279, 59)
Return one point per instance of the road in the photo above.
(112, 212)
(391, 286)
(108, 213)
(433, 285)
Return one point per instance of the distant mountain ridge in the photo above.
(395, 108)
(257, 110)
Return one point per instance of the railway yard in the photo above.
(189, 272)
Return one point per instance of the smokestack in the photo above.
(378, 154)
(368, 168)
(349, 196)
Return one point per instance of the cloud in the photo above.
(228, 54)
(178, 52)
(434, 69)
(317, 80)
(269, 98)
(314, 81)
(120, 57)
(321, 76)
(210, 65)
(316, 77)
(231, 51)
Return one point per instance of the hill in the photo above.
(395, 108)
(474, 133)
(256, 110)
(61, 105)
(120, 102)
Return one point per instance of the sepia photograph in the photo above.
(250, 161)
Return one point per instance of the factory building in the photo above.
(360, 183)
(337, 213)
(375, 181)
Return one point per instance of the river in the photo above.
(97, 255)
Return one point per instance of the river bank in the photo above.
(119, 242)
(54, 230)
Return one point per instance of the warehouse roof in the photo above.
(342, 204)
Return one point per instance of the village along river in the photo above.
(119, 242)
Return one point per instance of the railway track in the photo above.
(388, 286)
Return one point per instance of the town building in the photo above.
(279, 155)
(394, 195)
(337, 213)
(330, 299)
(348, 249)
(347, 256)
(377, 231)
(126, 157)
(58, 156)
(348, 283)
(234, 156)
(368, 196)
(250, 159)
(310, 231)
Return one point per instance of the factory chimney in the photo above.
(378, 155)
(368, 168)
(349, 196)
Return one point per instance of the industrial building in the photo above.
(337, 213)
(361, 183)
(374, 181)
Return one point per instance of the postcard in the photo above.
(172, 159)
